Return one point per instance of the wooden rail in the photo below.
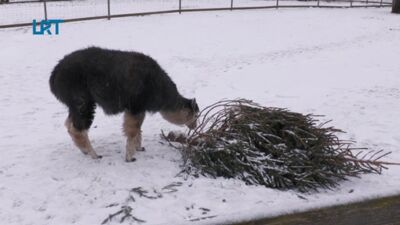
(382, 211)
(378, 5)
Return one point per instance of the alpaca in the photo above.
(117, 81)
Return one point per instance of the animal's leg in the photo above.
(131, 126)
(78, 123)
(81, 139)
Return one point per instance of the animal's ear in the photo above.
(194, 105)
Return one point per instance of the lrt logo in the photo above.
(45, 26)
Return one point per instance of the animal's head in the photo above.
(185, 114)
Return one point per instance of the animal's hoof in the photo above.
(131, 160)
(97, 157)
(142, 149)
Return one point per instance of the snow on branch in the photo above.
(273, 147)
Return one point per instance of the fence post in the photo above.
(277, 3)
(318, 3)
(396, 6)
(351, 3)
(381, 3)
(231, 4)
(108, 9)
(45, 9)
(180, 6)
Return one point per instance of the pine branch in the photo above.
(272, 147)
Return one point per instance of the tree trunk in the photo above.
(396, 6)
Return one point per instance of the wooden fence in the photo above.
(230, 7)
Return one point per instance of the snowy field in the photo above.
(342, 63)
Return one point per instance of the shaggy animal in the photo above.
(117, 81)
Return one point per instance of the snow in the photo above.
(342, 63)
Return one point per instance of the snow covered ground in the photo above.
(342, 63)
